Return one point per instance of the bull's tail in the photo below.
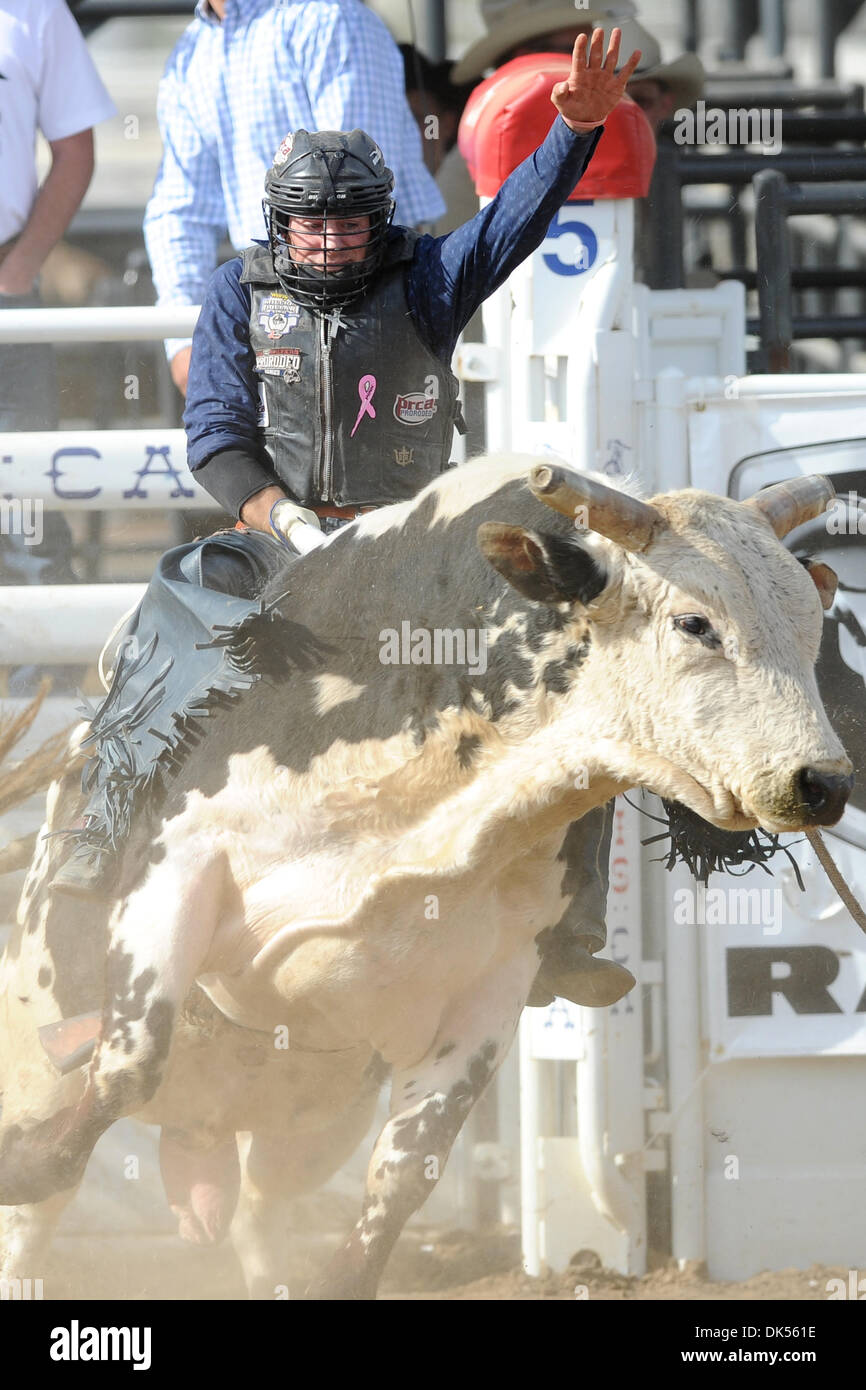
(53, 759)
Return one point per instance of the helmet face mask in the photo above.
(326, 261)
(328, 208)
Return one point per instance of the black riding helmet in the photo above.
(326, 175)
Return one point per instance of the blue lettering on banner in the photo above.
(152, 453)
(558, 1007)
(582, 257)
(77, 494)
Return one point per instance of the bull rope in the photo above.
(831, 869)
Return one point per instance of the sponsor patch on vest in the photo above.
(404, 456)
(415, 408)
(281, 362)
(277, 314)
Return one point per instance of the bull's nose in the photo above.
(825, 794)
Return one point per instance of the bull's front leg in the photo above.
(429, 1104)
(158, 941)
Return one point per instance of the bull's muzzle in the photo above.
(823, 795)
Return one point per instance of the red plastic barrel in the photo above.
(509, 114)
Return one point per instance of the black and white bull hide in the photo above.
(284, 888)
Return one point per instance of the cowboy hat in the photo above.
(511, 22)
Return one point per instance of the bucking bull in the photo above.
(283, 888)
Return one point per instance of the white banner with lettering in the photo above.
(785, 969)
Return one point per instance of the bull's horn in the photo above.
(624, 519)
(790, 504)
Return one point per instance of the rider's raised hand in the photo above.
(593, 87)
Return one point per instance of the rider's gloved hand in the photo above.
(285, 516)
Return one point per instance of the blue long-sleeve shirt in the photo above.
(447, 280)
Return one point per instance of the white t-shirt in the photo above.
(47, 82)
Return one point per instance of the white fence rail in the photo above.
(126, 324)
(95, 470)
(60, 624)
(74, 470)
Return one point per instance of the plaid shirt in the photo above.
(229, 94)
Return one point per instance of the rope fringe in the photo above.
(116, 775)
(705, 849)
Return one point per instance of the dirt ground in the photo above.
(455, 1266)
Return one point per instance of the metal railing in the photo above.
(676, 169)
(701, 211)
(775, 201)
(784, 93)
(743, 18)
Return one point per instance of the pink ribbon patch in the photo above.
(366, 388)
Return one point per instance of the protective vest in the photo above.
(353, 406)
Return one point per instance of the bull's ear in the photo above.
(825, 581)
(542, 567)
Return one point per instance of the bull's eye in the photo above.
(693, 624)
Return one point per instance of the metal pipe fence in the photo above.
(676, 170)
(775, 202)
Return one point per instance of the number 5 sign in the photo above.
(578, 253)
